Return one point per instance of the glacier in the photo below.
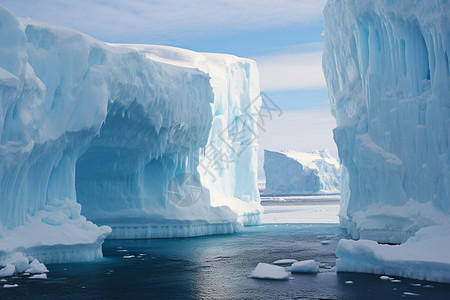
(290, 172)
(387, 69)
(121, 141)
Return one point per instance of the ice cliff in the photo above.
(149, 141)
(292, 172)
(387, 70)
(388, 74)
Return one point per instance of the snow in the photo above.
(39, 276)
(291, 172)
(387, 69)
(423, 256)
(305, 266)
(284, 261)
(122, 141)
(268, 271)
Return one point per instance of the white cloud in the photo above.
(301, 130)
(291, 71)
(167, 18)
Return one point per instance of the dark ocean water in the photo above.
(217, 267)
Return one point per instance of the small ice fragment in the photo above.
(349, 282)
(396, 280)
(394, 289)
(284, 261)
(26, 274)
(325, 242)
(428, 286)
(3, 280)
(83, 287)
(385, 277)
(128, 256)
(305, 266)
(267, 271)
(122, 250)
(10, 285)
(415, 284)
(39, 276)
(410, 294)
(291, 278)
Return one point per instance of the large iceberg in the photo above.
(150, 141)
(388, 73)
(387, 68)
(291, 172)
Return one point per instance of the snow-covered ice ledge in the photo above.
(115, 129)
(388, 73)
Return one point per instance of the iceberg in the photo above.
(120, 141)
(292, 172)
(388, 73)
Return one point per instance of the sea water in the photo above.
(217, 267)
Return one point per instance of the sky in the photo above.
(284, 37)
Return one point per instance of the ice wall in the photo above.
(387, 69)
(121, 134)
(291, 172)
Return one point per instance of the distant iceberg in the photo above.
(291, 172)
(150, 141)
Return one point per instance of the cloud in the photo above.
(108, 20)
(301, 130)
(291, 71)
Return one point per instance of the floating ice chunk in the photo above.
(410, 294)
(385, 277)
(39, 276)
(349, 282)
(128, 256)
(396, 280)
(305, 266)
(428, 286)
(415, 284)
(284, 261)
(36, 267)
(267, 271)
(10, 285)
(8, 270)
